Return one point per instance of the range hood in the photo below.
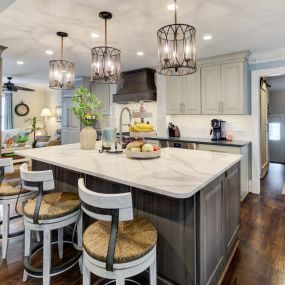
(138, 85)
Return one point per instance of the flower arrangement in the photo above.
(86, 106)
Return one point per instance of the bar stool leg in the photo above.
(27, 249)
(5, 234)
(86, 275)
(152, 273)
(47, 257)
(38, 238)
(79, 240)
(120, 281)
(60, 242)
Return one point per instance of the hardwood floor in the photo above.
(259, 260)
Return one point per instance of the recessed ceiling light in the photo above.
(49, 52)
(140, 53)
(207, 37)
(20, 62)
(94, 35)
(171, 7)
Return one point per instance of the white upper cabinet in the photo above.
(191, 93)
(220, 86)
(210, 89)
(232, 88)
(183, 94)
(174, 96)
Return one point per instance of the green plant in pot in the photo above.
(87, 107)
(34, 122)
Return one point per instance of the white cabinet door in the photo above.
(232, 88)
(210, 89)
(102, 92)
(192, 94)
(174, 95)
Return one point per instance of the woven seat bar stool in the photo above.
(116, 246)
(47, 212)
(11, 193)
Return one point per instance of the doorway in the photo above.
(276, 120)
(256, 76)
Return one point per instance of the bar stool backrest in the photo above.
(7, 163)
(6, 166)
(33, 177)
(101, 206)
(107, 207)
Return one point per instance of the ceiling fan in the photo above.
(11, 87)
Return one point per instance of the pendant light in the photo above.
(105, 65)
(177, 48)
(61, 72)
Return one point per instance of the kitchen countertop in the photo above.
(178, 173)
(201, 141)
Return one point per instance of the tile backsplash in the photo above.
(200, 125)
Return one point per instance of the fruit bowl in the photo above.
(142, 155)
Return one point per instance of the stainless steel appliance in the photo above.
(218, 130)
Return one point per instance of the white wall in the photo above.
(41, 98)
(277, 102)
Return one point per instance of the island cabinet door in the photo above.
(211, 233)
(232, 208)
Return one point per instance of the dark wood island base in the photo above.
(197, 236)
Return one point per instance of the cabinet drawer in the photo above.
(217, 148)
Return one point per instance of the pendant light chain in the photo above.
(61, 52)
(105, 32)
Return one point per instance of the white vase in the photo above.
(88, 137)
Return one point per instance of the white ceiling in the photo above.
(28, 29)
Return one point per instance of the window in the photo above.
(274, 131)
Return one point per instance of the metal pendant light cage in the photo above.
(177, 48)
(105, 67)
(61, 72)
(105, 60)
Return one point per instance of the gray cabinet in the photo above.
(71, 127)
(103, 93)
(70, 123)
(212, 233)
(183, 94)
(232, 209)
(218, 219)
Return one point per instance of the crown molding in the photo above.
(267, 56)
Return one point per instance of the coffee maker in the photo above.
(218, 131)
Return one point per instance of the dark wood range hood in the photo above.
(139, 85)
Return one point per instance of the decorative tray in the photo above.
(142, 155)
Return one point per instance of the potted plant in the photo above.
(34, 121)
(87, 107)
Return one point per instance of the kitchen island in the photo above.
(192, 198)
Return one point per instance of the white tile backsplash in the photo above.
(200, 125)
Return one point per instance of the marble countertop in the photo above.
(233, 143)
(178, 173)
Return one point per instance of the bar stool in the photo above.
(11, 193)
(45, 213)
(117, 246)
